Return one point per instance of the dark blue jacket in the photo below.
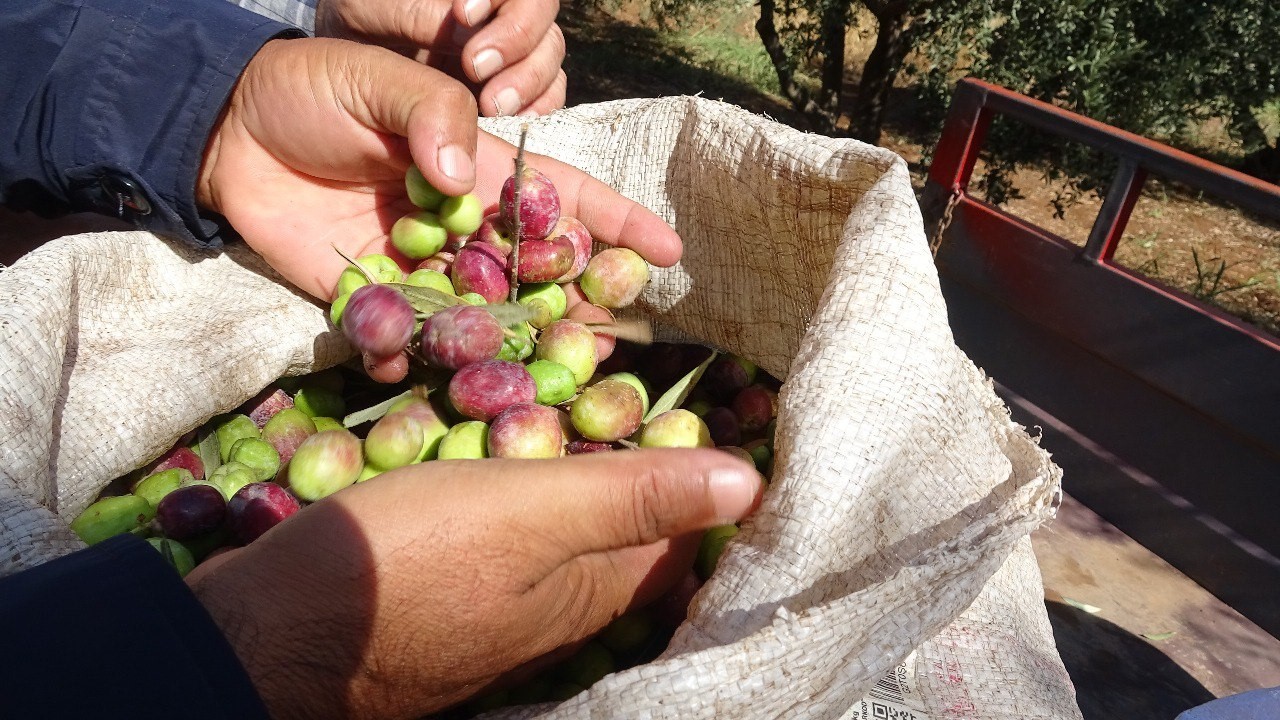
(113, 632)
(106, 105)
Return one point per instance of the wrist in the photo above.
(232, 613)
(284, 649)
(229, 125)
(206, 196)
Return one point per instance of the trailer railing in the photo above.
(1200, 354)
(1163, 411)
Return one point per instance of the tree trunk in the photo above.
(824, 120)
(1261, 160)
(835, 19)
(893, 42)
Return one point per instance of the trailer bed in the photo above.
(1162, 570)
(1158, 643)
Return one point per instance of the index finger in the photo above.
(473, 13)
(611, 218)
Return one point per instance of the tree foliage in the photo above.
(1155, 67)
(1158, 68)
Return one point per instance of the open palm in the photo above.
(315, 141)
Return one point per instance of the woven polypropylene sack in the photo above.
(893, 539)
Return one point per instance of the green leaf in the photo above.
(375, 412)
(367, 275)
(509, 313)
(209, 450)
(679, 392)
(1157, 637)
(426, 300)
(1091, 609)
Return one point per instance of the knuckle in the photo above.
(555, 100)
(520, 34)
(583, 591)
(421, 20)
(455, 95)
(540, 74)
(557, 41)
(649, 506)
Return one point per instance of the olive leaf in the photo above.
(509, 313)
(679, 392)
(209, 450)
(428, 301)
(167, 551)
(373, 413)
(356, 263)
(425, 300)
(1086, 607)
(638, 331)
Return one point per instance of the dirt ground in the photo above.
(1207, 249)
(622, 53)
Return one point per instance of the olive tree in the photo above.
(1155, 67)
(800, 32)
(1158, 68)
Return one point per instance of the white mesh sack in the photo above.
(888, 569)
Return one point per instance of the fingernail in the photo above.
(487, 63)
(475, 11)
(507, 102)
(454, 162)
(733, 493)
(528, 114)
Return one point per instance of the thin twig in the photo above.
(515, 201)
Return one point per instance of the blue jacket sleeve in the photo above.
(113, 632)
(107, 105)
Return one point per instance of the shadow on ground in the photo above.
(609, 59)
(1119, 676)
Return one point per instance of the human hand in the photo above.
(409, 594)
(512, 48)
(311, 152)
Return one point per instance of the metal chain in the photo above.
(935, 242)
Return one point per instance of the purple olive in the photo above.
(190, 511)
(539, 204)
(257, 508)
(482, 390)
(378, 321)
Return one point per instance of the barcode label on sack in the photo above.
(893, 697)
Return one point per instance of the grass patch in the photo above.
(712, 47)
(715, 54)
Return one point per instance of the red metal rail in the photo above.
(1204, 357)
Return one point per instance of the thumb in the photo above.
(436, 113)
(611, 501)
